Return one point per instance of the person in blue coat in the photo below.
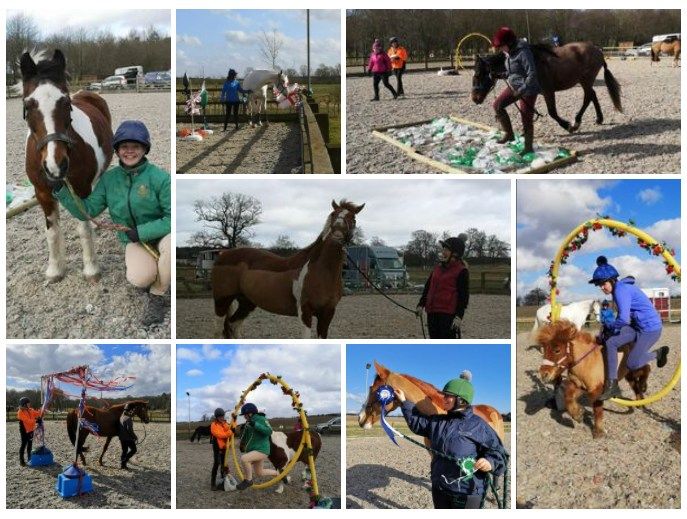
(607, 315)
(460, 434)
(230, 97)
(637, 323)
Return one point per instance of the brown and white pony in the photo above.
(107, 421)
(671, 48)
(307, 284)
(566, 349)
(69, 137)
(426, 397)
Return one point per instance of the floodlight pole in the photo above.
(189, 413)
(307, 16)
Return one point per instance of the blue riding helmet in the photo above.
(248, 408)
(603, 272)
(24, 401)
(130, 131)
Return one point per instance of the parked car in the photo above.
(644, 50)
(132, 73)
(95, 86)
(158, 79)
(114, 82)
(333, 426)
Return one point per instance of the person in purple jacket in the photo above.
(637, 323)
(379, 65)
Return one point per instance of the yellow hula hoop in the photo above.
(306, 441)
(652, 244)
(459, 61)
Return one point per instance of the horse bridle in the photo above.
(567, 356)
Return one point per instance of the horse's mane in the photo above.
(541, 50)
(430, 390)
(561, 332)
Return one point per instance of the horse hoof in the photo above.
(599, 121)
(578, 417)
(92, 278)
(54, 278)
(598, 433)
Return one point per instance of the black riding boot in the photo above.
(506, 127)
(611, 389)
(662, 356)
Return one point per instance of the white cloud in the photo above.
(194, 373)
(650, 195)
(191, 41)
(666, 230)
(241, 37)
(188, 354)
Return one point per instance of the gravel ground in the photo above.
(637, 464)
(275, 148)
(73, 308)
(645, 139)
(194, 462)
(378, 475)
(362, 316)
(146, 485)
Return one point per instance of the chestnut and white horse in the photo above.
(69, 138)
(258, 82)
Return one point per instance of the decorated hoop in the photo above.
(574, 242)
(306, 441)
(459, 61)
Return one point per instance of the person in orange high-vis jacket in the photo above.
(28, 417)
(220, 433)
(399, 56)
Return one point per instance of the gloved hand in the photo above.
(457, 321)
(418, 310)
(39, 420)
(132, 234)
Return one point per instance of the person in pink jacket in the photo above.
(379, 66)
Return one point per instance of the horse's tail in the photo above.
(193, 436)
(72, 422)
(613, 87)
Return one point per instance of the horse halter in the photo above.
(567, 356)
(56, 136)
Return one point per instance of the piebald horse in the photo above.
(258, 82)
(69, 137)
(307, 284)
(107, 421)
(427, 398)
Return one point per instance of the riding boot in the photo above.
(662, 356)
(529, 137)
(611, 389)
(155, 311)
(506, 127)
(22, 462)
(246, 483)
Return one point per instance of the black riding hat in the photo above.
(455, 244)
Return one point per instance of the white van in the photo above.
(131, 73)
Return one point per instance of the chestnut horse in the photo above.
(558, 68)
(107, 421)
(671, 48)
(427, 398)
(568, 349)
(307, 284)
(69, 138)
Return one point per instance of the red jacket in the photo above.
(442, 296)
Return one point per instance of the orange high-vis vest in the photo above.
(221, 432)
(28, 418)
(402, 54)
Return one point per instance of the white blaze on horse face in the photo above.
(341, 221)
(363, 419)
(83, 126)
(46, 96)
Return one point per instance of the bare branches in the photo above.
(227, 219)
(269, 46)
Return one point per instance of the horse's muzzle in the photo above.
(549, 374)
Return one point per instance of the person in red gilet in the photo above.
(447, 291)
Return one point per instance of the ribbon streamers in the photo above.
(385, 395)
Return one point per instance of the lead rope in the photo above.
(372, 284)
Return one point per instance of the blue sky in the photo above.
(394, 208)
(433, 363)
(215, 40)
(150, 364)
(548, 210)
(118, 21)
(216, 374)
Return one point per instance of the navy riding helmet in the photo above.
(603, 272)
(130, 131)
(249, 408)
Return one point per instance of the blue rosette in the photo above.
(385, 395)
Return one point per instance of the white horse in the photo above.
(258, 81)
(575, 312)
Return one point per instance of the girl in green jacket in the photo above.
(256, 443)
(137, 195)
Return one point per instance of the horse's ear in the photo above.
(59, 58)
(27, 66)
(358, 209)
(382, 371)
(335, 206)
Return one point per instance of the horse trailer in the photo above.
(382, 265)
(204, 262)
(660, 298)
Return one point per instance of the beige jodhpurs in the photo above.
(143, 271)
(253, 461)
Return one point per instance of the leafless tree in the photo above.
(269, 46)
(228, 218)
(22, 35)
